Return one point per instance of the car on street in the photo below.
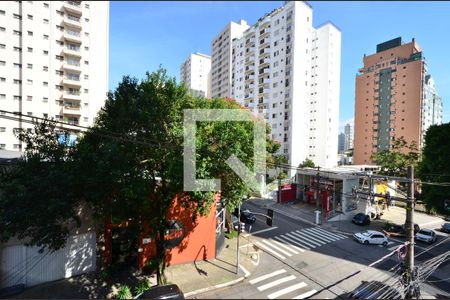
(246, 216)
(426, 235)
(371, 237)
(445, 227)
(399, 230)
(171, 291)
(374, 290)
(361, 219)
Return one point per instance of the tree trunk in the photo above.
(160, 258)
(229, 222)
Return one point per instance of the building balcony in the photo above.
(73, 7)
(71, 110)
(265, 61)
(71, 67)
(264, 52)
(264, 33)
(73, 36)
(264, 43)
(71, 52)
(250, 77)
(249, 98)
(71, 82)
(249, 86)
(72, 96)
(72, 22)
(264, 91)
(250, 60)
(263, 73)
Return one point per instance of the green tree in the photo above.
(38, 201)
(394, 162)
(307, 163)
(129, 165)
(434, 168)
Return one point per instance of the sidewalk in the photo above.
(198, 277)
(192, 278)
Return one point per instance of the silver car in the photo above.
(426, 235)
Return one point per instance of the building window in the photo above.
(45, 68)
(17, 65)
(30, 17)
(2, 96)
(29, 49)
(45, 83)
(2, 29)
(2, 12)
(45, 99)
(17, 81)
(2, 63)
(2, 79)
(46, 5)
(45, 52)
(29, 81)
(17, 32)
(17, 98)
(2, 46)
(45, 37)
(29, 66)
(30, 33)
(30, 98)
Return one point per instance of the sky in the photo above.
(147, 34)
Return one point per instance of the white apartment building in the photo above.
(53, 62)
(432, 108)
(348, 130)
(195, 72)
(289, 71)
(221, 56)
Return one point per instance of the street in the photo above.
(299, 260)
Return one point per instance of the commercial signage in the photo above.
(173, 234)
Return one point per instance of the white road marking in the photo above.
(305, 295)
(260, 231)
(288, 240)
(247, 273)
(309, 238)
(320, 236)
(302, 242)
(277, 248)
(284, 246)
(330, 234)
(264, 277)
(270, 250)
(286, 290)
(275, 283)
(393, 248)
(390, 243)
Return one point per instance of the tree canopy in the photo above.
(307, 163)
(394, 162)
(433, 167)
(127, 166)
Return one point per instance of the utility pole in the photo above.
(279, 186)
(410, 232)
(238, 234)
(317, 187)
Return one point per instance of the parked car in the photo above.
(395, 230)
(371, 237)
(374, 290)
(246, 216)
(361, 219)
(171, 291)
(426, 235)
(445, 227)
(399, 230)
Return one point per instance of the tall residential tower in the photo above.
(53, 62)
(195, 72)
(289, 72)
(395, 97)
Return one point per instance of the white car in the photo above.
(371, 237)
(426, 235)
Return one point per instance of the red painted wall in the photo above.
(199, 242)
(288, 193)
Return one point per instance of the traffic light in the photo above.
(269, 217)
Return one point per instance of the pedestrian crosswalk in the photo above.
(279, 284)
(294, 242)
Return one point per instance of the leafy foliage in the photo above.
(124, 292)
(394, 162)
(142, 286)
(307, 163)
(38, 200)
(433, 167)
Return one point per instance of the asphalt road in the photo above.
(298, 259)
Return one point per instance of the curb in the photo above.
(217, 286)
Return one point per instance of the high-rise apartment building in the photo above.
(348, 131)
(341, 142)
(221, 55)
(395, 97)
(288, 71)
(195, 72)
(53, 62)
